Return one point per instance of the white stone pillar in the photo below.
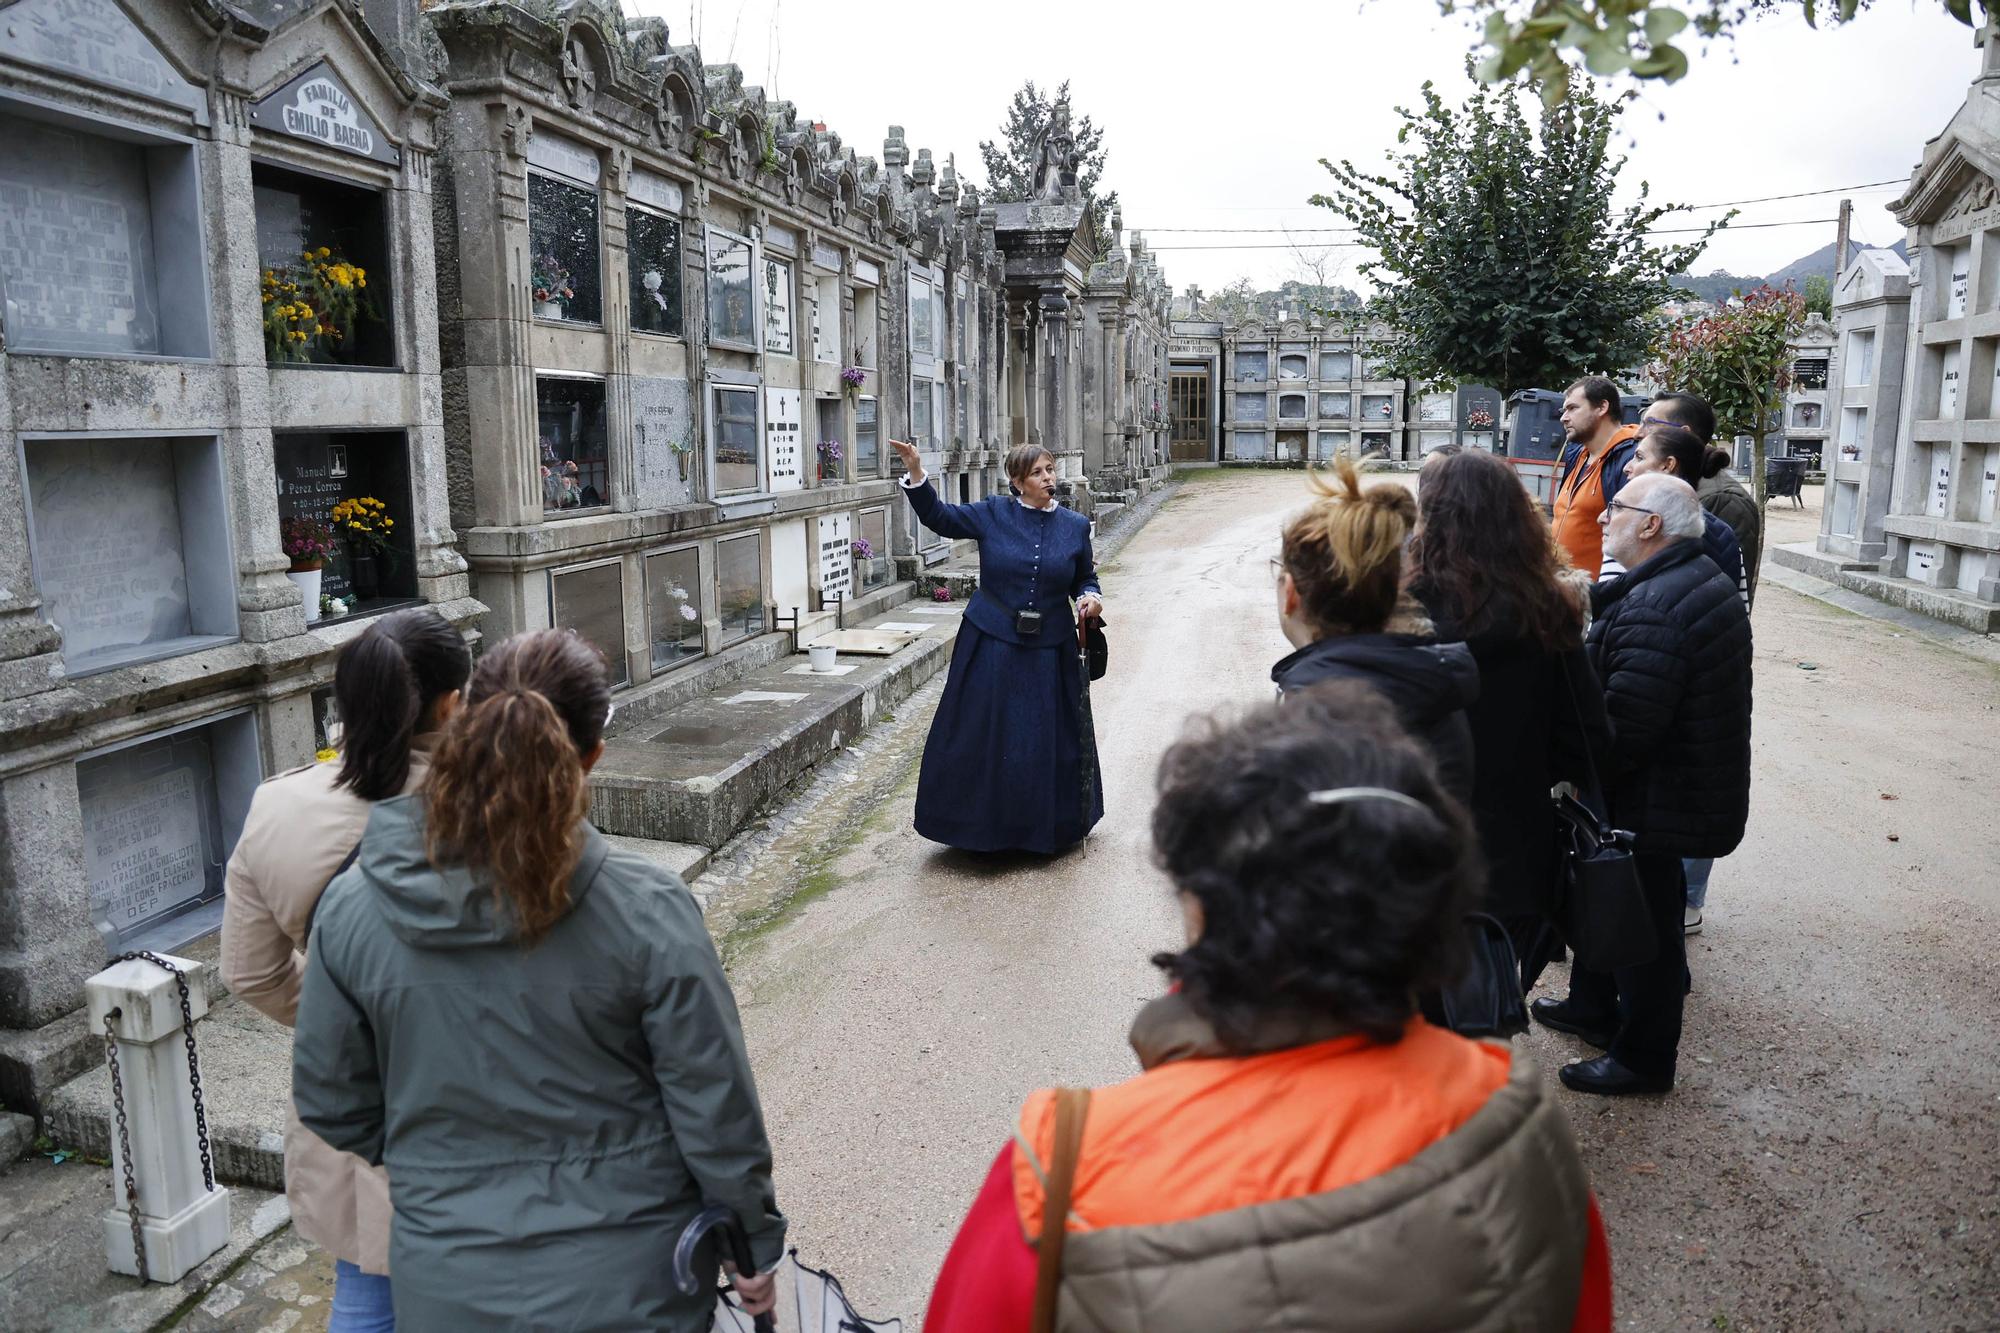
(182, 1220)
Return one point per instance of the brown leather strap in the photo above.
(1072, 1106)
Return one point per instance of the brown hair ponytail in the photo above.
(1345, 552)
(507, 787)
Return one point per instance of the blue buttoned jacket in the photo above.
(1028, 558)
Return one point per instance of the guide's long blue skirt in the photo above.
(1003, 768)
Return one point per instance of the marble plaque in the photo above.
(784, 438)
(826, 257)
(143, 815)
(835, 537)
(108, 544)
(868, 271)
(76, 243)
(662, 417)
(565, 157)
(780, 238)
(94, 40)
(656, 191)
(318, 106)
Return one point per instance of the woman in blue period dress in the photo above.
(1004, 766)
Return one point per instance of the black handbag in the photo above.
(1601, 908)
(1096, 652)
(1485, 1000)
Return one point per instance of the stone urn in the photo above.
(307, 582)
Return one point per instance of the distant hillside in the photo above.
(1720, 286)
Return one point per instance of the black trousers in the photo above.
(1642, 1004)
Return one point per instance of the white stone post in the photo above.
(181, 1219)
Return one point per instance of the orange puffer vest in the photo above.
(1319, 1182)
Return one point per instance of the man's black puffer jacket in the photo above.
(1672, 645)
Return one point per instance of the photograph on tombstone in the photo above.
(562, 239)
(867, 438)
(358, 483)
(653, 254)
(739, 586)
(590, 600)
(572, 446)
(674, 606)
(739, 468)
(322, 254)
(871, 549)
(86, 262)
(732, 295)
(777, 305)
(131, 546)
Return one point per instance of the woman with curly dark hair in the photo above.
(1301, 1141)
(1486, 568)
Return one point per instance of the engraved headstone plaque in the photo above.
(149, 819)
(662, 441)
(76, 243)
(108, 554)
(836, 556)
(785, 438)
(318, 105)
(95, 40)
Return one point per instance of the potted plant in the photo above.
(549, 280)
(365, 523)
(308, 544)
(830, 455)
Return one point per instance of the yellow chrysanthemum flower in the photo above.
(324, 252)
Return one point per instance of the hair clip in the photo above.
(1342, 795)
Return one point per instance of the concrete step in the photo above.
(701, 771)
(1944, 604)
(246, 1083)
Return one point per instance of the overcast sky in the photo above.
(1214, 124)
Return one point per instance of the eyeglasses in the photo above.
(1278, 569)
(1636, 509)
(1657, 421)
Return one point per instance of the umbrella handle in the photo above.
(715, 1217)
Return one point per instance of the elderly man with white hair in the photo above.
(1671, 642)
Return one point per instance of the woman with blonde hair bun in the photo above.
(1341, 605)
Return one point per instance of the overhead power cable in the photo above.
(1346, 245)
(1727, 203)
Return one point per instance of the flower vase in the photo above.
(362, 573)
(548, 310)
(307, 582)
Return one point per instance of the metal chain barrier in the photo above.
(124, 1142)
(118, 1098)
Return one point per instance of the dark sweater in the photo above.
(1028, 559)
(1428, 684)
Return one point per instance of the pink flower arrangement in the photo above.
(941, 593)
(307, 543)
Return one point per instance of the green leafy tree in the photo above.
(1740, 360)
(1635, 37)
(1010, 162)
(1819, 295)
(1500, 258)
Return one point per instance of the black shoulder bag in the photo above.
(1600, 907)
(1484, 1000)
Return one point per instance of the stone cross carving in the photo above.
(577, 75)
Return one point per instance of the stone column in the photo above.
(182, 1219)
(1054, 358)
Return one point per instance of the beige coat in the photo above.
(299, 829)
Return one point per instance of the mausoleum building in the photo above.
(219, 342)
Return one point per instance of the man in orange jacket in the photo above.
(1593, 468)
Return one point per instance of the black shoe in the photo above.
(1556, 1014)
(1607, 1078)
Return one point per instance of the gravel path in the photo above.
(1830, 1159)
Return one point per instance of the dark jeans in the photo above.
(1642, 1005)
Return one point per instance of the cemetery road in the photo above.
(1826, 1160)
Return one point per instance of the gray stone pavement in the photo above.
(1826, 1162)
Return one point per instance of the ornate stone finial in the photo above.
(895, 150)
(925, 171)
(948, 179)
(1117, 228)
